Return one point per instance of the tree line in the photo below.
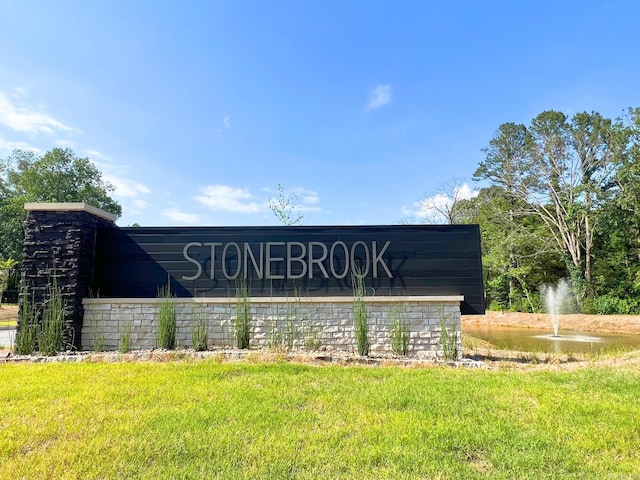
(561, 199)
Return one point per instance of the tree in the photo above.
(444, 205)
(628, 175)
(57, 176)
(505, 166)
(617, 238)
(561, 171)
(285, 207)
(516, 254)
(5, 270)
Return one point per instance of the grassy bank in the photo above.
(207, 420)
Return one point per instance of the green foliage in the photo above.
(516, 254)
(561, 171)
(125, 337)
(284, 331)
(399, 331)
(611, 305)
(5, 270)
(199, 335)
(360, 315)
(25, 342)
(167, 324)
(285, 207)
(312, 336)
(57, 176)
(448, 339)
(243, 316)
(563, 201)
(49, 336)
(98, 337)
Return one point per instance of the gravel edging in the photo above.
(248, 356)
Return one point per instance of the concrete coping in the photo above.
(233, 300)
(70, 207)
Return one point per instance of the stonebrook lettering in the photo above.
(286, 260)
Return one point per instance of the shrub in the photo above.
(611, 305)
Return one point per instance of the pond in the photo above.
(569, 341)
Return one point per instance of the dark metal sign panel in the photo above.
(292, 261)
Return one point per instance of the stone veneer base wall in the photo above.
(311, 323)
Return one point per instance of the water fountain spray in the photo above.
(553, 298)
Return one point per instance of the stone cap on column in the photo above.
(70, 207)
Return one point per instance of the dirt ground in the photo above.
(8, 312)
(585, 323)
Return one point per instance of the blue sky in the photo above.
(194, 111)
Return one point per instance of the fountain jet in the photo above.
(553, 298)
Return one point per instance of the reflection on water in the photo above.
(568, 341)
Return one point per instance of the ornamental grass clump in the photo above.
(199, 336)
(25, 342)
(399, 331)
(125, 337)
(98, 337)
(167, 319)
(448, 339)
(49, 336)
(243, 316)
(284, 331)
(360, 315)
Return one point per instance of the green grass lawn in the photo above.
(210, 420)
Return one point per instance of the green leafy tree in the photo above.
(5, 270)
(57, 176)
(517, 252)
(562, 172)
(616, 272)
(505, 166)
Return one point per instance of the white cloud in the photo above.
(96, 154)
(141, 204)
(226, 122)
(431, 208)
(307, 197)
(10, 146)
(125, 187)
(305, 200)
(24, 119)
(229, 199)
(178, 215)
(379, 97)
(64, 143)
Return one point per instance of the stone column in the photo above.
(60, 240)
